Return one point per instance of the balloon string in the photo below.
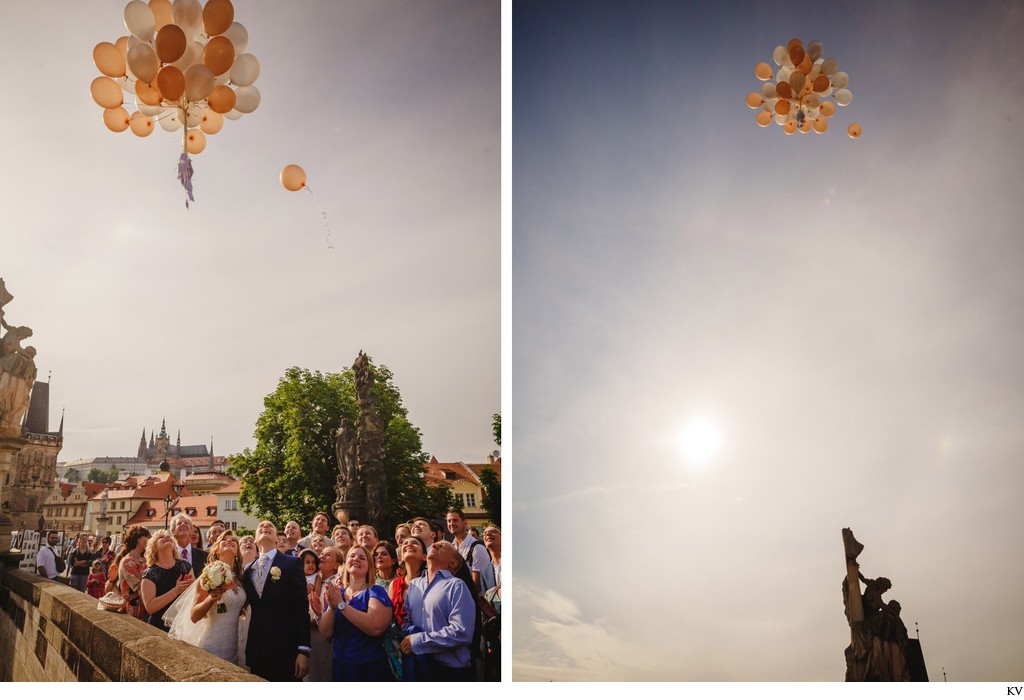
(323, 215)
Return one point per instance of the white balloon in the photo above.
(193, 51)
(188, 15)
(782, 76)
(125, 84)
(239, 37)
(245, 70)
(247, 99)
(843, 97)
(840, 80)
(779, 55)
(139, 20)
(233, 114)
(768, 90)
(829, 66)
(781, 118)
(170, 120)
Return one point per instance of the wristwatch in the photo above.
(341, 605)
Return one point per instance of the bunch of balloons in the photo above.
(182, 66)
(806, 90)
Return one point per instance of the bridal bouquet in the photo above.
(217, 576)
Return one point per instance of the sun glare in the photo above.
(700, 440)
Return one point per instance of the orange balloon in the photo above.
(222, 99)
(122, 46)
(147, 93)
(170, 81)
(806, 65)
(754, 100)
(784, 89)
(163, 12)
(854, 130)
(108, 59)
(782, 107)
(106, 93)
(218, 16)
(806, 126)
(140, 124)
(764, 118)
(793, 42)
(821, 83)
(827, 109)
(763, 71)
(170, 43)
(195, 142)
(212, 122)
(116, 119)
(293, 178)
(219, 54)
(789, 127)
(820, 125)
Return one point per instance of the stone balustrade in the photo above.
(51, 632)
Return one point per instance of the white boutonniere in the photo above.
(275, 574)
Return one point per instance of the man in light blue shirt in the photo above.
(441, 614)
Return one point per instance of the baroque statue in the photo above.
(17, 371)
(878, 637)
(361, 486)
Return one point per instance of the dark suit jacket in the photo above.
(198, 561)
(279, 622)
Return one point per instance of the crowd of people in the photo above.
(348, 605)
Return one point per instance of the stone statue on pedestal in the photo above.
(361, 486)
(17, 371)
(17, 377)
(878, 637)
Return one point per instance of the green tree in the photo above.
(291, 473)
(496, 428)
(71, 475)
(492, 495)
(102, 476)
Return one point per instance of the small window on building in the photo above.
(450, 475)
(119, 522)
(460, 498)
(471, 500)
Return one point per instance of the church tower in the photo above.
(162, 442)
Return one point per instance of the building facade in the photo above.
(34, 472)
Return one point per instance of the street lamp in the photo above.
(168, 501)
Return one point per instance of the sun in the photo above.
(700, 440)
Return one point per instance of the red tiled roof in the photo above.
(479, 468)
(203, 516)
(438, 473)
(233, 487)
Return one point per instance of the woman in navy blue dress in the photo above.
(356, 618)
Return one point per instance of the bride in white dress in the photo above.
(193, 618)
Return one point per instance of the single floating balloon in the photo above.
(763, 71)
(854, 130)
(293, 178)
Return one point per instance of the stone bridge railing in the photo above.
(51, 632)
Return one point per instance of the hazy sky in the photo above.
(848, 315)
(144, 310)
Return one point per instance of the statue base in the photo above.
(9, 447)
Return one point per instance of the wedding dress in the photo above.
(217, 633)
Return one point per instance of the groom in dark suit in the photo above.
(278, 645)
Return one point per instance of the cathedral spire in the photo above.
(211, 453)
(179, 439)
(60, 432)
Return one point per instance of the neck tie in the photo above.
(261, 573)
(184, 553)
